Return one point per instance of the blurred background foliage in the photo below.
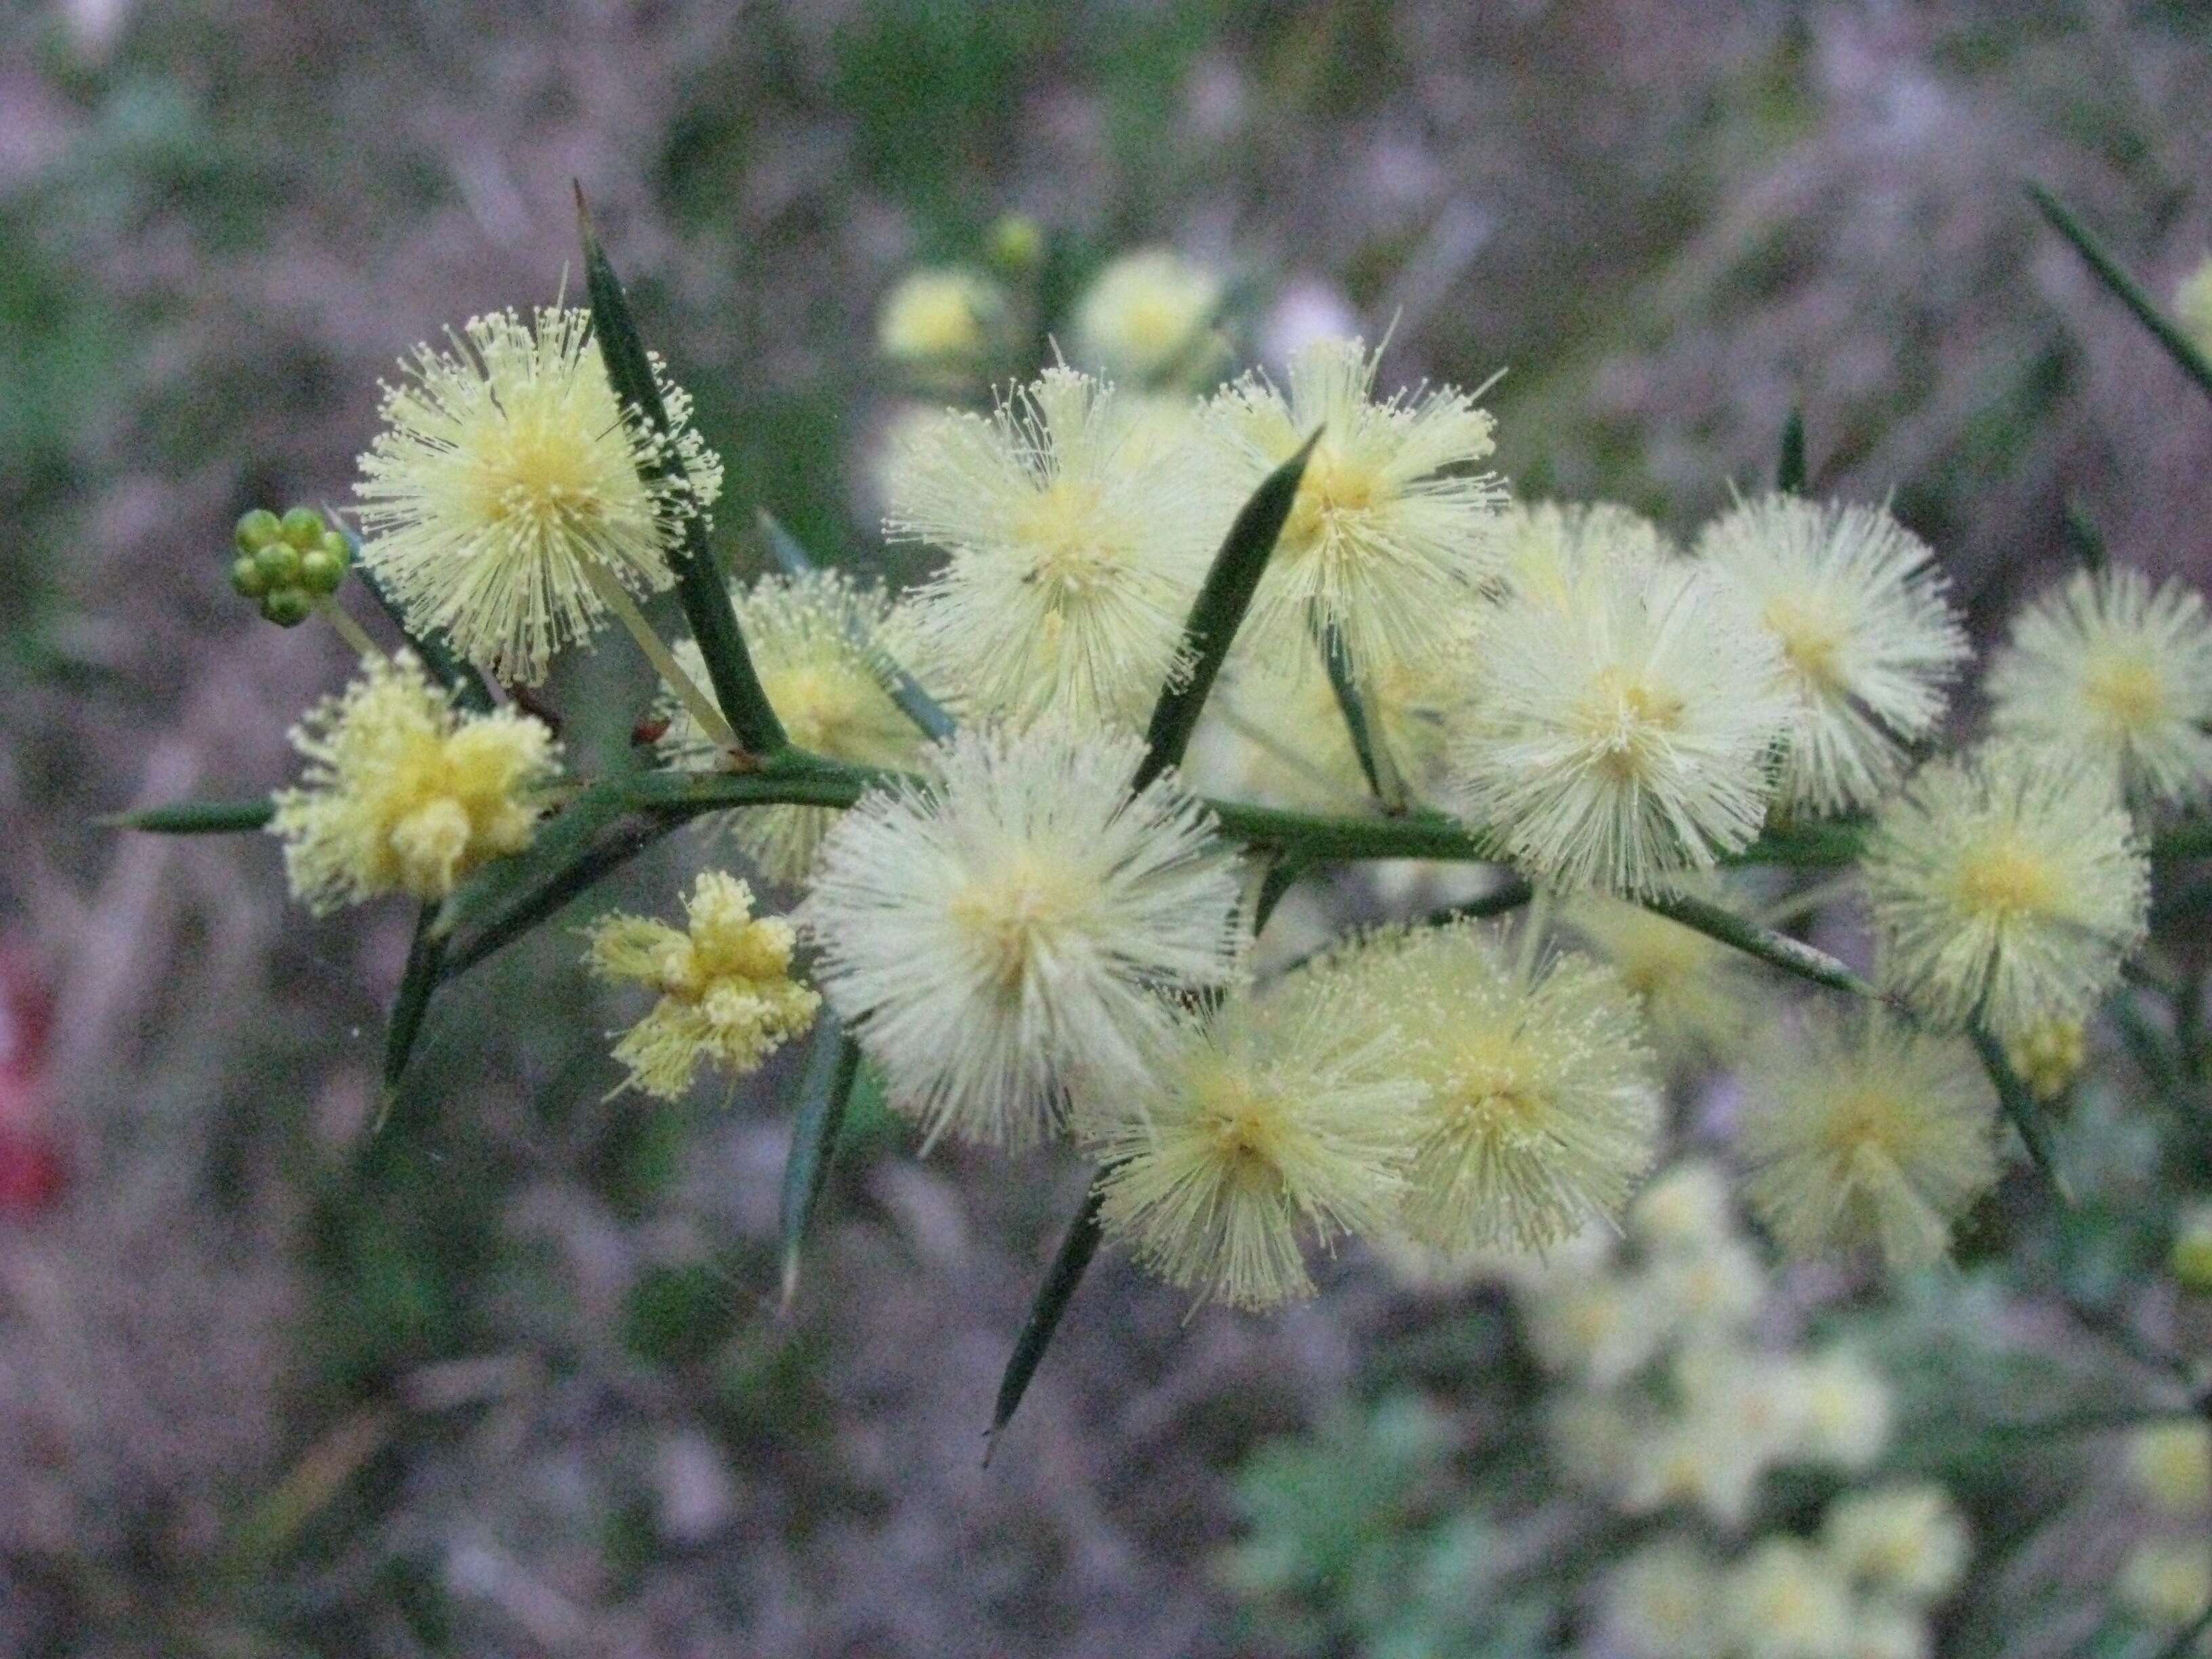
(511, 1379)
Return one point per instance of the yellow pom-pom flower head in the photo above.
(944, 327)
(1542, 1110)
(2115, 673)
(1008, 929)
(508, 480)
(818, 645)
(1866, 1131)
(1868, 641)
(1077, 544)
(1625, 738)
(727, 994)
(1276, 1117)
(2007, 887)
(1149, 320)
(403, 792)
(1388, 540)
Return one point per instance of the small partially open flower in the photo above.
(404, 794)
(2171, 1464)
(2165, 1582)
(1847, 1409)
(1547, 549)
(1008, 930)
(1280, 1115)
(2117, 674)
(2049, 1055)
(1627, 738)
(1541, 1108)
(817, 645)
(1856, 603)
(1866, 1131)
(727, 995)
(1149, 319)
(507, 476)
(1077, 544)
(2007, 887)
(1388, 541)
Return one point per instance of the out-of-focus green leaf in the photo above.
(2178, 346)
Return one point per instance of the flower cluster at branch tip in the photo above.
(403, 792)
(508, 479)
(726, 996)
(285, 565)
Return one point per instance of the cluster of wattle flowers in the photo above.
(1033, 929)
(1672, 1411)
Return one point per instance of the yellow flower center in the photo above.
(543, 480)
(2126, 692)
(1244, 1129)
(1865, 1122)
(1334, 484)
(1156, 324)
(1059, 527)
(1489, 1095)
(1625, 725)
(818, 707)
(1010, 918)
(938, 323)
(2004, 877)
(1812, 639)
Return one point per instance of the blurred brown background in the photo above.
(524, 1392)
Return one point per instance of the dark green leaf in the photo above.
(1375, 763)
(1219, 609)
(1789, 471)
(916, 704)
(699, 582)
(833, 1061)
(1283, 873)
(1834, 842)
(196, 818)
(1410, 835)
(2168, 333)
(1052, 1296)
(2023, 1108)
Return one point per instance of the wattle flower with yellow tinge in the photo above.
(509, 484)
(404, 792)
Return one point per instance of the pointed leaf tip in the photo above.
(1052, 1296)
(1789, 471)
(833, 1065)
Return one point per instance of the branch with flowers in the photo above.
(1033, 908)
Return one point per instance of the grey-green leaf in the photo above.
(196, 818)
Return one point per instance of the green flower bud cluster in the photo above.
(287, 563)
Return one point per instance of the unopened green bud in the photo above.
(1017, 244)
(255, 530)
(245, 576)
(339, 548)
(280, 563)
(321, 570)
(287, 607)
(304, 527)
